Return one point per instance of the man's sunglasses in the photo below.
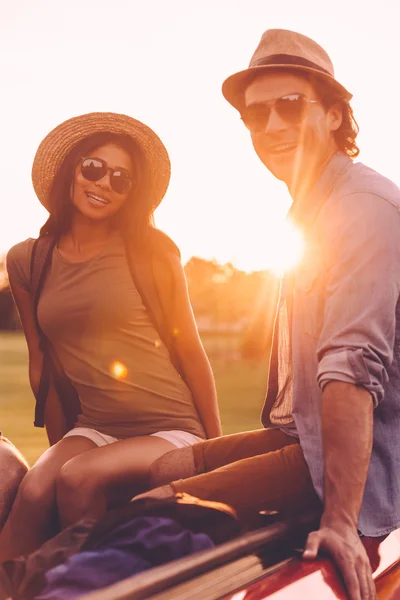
(291, 108)
(94, 169)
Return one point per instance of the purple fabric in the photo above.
(131, 548)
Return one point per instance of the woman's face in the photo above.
(98, 200)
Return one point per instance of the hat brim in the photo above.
(234, 86)
(56, 146)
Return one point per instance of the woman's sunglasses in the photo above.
(94, 169)
(291, 108)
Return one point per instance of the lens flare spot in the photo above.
(157, 344)
(118, 370)
(175, 332)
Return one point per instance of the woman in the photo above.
(101, 176)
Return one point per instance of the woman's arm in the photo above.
(54, 417)
(192, 357)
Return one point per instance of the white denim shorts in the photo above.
(180, 439)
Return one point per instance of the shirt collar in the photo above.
(304, 211)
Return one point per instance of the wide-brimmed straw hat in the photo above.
(60, 141)
(283, 49)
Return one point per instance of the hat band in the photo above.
(287, 59)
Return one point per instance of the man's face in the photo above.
(291, 151)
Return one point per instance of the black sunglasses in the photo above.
(94, 169)
(292, 108)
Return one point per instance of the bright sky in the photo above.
(163, 62)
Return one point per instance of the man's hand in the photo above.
(345, 547)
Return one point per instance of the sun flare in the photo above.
(288, 248)
(277, 249)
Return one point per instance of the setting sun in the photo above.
(288, 248)
(276, 249)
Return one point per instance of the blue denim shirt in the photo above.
(346, 323)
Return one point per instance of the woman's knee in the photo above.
(79, 494)
(35, 491)
(75, 486)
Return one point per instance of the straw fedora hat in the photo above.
(283, 49)
(59, 142)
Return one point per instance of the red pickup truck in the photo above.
(261, 564)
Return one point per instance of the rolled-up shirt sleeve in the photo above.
(362, 287)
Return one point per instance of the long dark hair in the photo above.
(136, 215)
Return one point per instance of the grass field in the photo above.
(240, 386)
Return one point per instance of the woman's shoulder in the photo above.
(163, 243)
(18, 261)
(21, 252)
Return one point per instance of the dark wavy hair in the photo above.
(329, 95)
(135, 216)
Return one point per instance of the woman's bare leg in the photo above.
(89, 484)
(34, 509)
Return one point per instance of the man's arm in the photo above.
(355, 351)
(347, 456)
(347, 420)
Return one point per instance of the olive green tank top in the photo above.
(107, 345)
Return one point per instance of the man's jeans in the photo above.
(262, 470)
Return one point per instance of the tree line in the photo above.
(220, 293)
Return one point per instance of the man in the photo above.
(332, 412)
(12, 469)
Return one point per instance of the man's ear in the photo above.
(335, 115)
